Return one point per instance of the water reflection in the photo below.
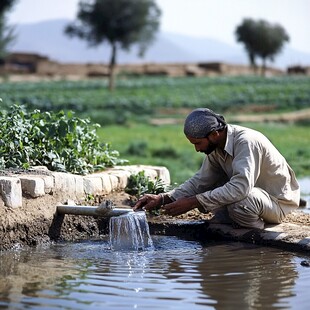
(247, 277)
(177, 274)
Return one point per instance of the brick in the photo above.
(93, 185)
(79, 186)
(11, 191)
(48, 183)
(106, 183)
(114, 182)
(33, 186)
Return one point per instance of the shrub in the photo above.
(138, 148)
(140, 184)
(58, 141)
(166, 152)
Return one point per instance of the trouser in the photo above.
(255, 210)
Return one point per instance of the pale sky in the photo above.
(216, 19)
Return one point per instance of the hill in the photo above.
(48, 38)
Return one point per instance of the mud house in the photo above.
(32, 63)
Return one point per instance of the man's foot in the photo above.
(221, 217)
(236, 225)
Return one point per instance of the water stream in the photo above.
(130, 232)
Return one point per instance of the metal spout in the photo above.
(104, 210)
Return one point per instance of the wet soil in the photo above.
(122, 199)
(37, 222)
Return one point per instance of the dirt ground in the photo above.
(37, 221)
(122, 199)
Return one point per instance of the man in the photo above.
(243, 178)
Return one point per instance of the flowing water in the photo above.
(130, 232)
(175, 274)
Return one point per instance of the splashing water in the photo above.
(130, 232)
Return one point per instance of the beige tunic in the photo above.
(249, 160)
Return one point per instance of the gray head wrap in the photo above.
(200, 122)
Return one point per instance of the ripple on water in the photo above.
(176, 274)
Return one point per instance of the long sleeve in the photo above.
(209, 176)
(248, 160)
(243, 174)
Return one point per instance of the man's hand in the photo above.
(148, 202)
(181, 206)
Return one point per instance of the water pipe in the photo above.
(105, 209)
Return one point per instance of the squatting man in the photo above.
(243, 180)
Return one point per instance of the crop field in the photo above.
(127, 115)
(140, 98)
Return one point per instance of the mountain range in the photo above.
(47, 38)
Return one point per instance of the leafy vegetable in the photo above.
(58, 141)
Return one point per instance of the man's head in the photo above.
(202, 127)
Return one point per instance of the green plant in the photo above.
(140, 184)
(58, 141)
(138, 148)
(147, 98)
(165, 152)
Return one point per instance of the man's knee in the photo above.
(245, 215)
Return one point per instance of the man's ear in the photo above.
(214, 134)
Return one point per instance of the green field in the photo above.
(126, 114)
(141, 98)
(167, 146)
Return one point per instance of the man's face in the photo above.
(203, 145)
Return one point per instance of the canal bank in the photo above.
(28, 211)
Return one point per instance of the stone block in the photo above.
(149, 172)
(153, 172)
(93, 185)
(11, 191)
(106, 183)
(122, 179)
(2, 204)
(33, 186)
(163, 174)
(79, 186)
(122, 176)
(65, 182)
(48, 183)
(114, 182)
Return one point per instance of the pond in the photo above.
(175, 274)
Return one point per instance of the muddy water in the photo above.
(177, 274)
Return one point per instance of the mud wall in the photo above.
(29, 200)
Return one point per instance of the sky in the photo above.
(215, 19)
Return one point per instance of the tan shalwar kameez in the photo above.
(250, 177)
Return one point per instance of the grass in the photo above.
(163, 145)
(137, 101)
(167, 146)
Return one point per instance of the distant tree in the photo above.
(261, 39)
(121, 23)
(7, 35)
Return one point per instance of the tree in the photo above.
(261, 39)
(121, 23)
(7, 35)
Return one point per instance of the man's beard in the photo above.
(211, 147)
